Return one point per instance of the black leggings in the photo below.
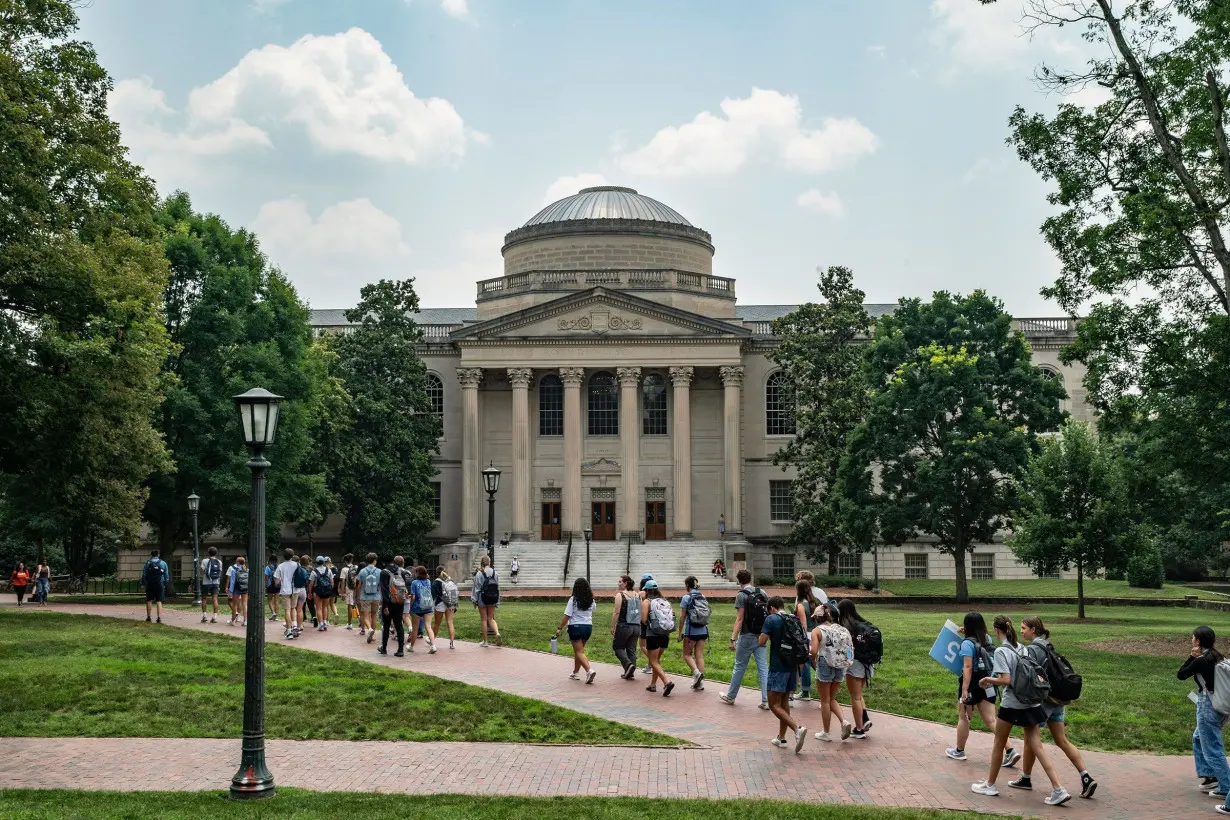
(391, 616)
(21, 593)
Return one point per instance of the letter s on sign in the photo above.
(953, 648)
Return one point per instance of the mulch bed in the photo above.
(1178, 647)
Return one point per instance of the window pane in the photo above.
(849, 564)
(653, 401)
(916, 565)
(435, 500)
(603, 405)
(551, 406)
(778, 418)
(780, 504)
(435, 395)
(982, 566)
(783, 565)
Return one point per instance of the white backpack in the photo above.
(449, 588)
(661, 617)
(1220, 697)
(837, 648)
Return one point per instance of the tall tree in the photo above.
(382, 461)
(1075, 509)
(954, 408)
(821, 354)
(81, 277)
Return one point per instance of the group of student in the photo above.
(21, 579)
(236, 583)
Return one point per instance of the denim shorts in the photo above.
(858, 670)
(783, 681)
(1054, 712)
(827, 674)
(580, 632)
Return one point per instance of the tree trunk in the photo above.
(834, 551)
(958, 558)
(1080, 590)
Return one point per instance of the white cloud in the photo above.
(567, 186)
(459, 9)
(1090, 96)
(477, 257)
(331, 256)
(981, 37)
(765, 125)
(821, 203)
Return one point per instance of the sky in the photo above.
(385, 139)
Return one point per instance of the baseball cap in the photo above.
(320, 559)
(651, 584)
(646, 577)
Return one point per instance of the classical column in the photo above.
(732, 500)
(520, 378)
(630, 444)
(470, 378)
(681, 377)
(571, 516)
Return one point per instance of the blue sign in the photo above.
(947, 648)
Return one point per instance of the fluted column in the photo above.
(571, 512)
(470, 378)
(630, 443)
(732, 500)
(681, 377)
(520, 378)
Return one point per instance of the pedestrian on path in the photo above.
(211, 578)
(783, 675)
(42, 583)
(694, 630)
(1013, 711)
(239, 590)
(320, 588)
(486, 597)
(751, 609)
(155, 575)
(626, 625)
(304, 599)
(805, 606)
(514, 568)
(369, 597)
(976, 664)
(348, 586)
(20, 579)
(658, 615)
(271, 586)
(1038, 637)
(394, 593)
(832, 650)
(579, 619)
(421, 605)
(335, 574)
(444, 592)
(868, 645)
(1208, 749)
(646, 578)
(810, 577)
(230, 592)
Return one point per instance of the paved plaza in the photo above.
(901, 763)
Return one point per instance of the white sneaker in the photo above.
(779, 742)
(825, 736)
(800, 736)
(203, 618)
(349, 627)
(450, 645)
(574, 676)
(846, 729)
(984, 788)
(1058, 797)
(484, 643)
(431, 649)
(764, 706)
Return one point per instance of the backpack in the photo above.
(661, 617)
(213, 570)
(1219, 698)
(837, 648)
(423, 602)
(794, 648)
(1029, 683)
(324, 584)
(1065, 683)
(371, 580)
(152, 574)
(632, 612)
(868, 645)
(449, 591)
(241, 581)
(397, 586)
(489, 593)
(301, 577)
(698, 610)
(755, 610)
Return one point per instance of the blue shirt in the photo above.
(690, 630)
(364, 573)
(420, 591)
(773, 628)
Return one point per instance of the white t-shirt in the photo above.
(205, 579)
(579, 617)
(516, 567)
(285, 574)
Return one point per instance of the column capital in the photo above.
(629, 376)
(520, 376)
(732, 376)
(470, 376)
(681, 376)
(572, 375)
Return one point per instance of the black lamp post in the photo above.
(589, 534)
(875, 554)
(194, 504)
(491, 483)
(258, 416)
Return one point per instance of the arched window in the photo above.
(435, 395)
(603, 405)
(1051, 374)
(778, 406)
(550, 406)
(653, 405)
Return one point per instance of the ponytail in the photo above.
(1004, 624)
(1035, 623)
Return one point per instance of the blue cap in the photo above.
(651, 584)
(646, 577)
(320, 559)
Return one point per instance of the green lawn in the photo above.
(72, 675)
(37, 805)
(1044, 588)
(1130, 702)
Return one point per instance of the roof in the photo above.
(767, 313)
(607, 202)
(457, 316)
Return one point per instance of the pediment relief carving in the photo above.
(600, 321)
(600, 465)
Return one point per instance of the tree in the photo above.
(381, 463)
(81, 277)
(821, 354)
(955, 406)
(1075, 510)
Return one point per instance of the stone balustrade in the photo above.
(719, 286)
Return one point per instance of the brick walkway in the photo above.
(900, 764)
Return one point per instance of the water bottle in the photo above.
(554, 645)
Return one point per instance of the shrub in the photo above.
(1145, 567)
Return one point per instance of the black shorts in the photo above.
(704, 636)
(1031, 716)
(976, 693)
(653, 642)
(155, 594)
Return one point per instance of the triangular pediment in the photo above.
(600, 312)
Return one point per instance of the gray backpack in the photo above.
(1029, 683)
(1219, 699)
(632, 610)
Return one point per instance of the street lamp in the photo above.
(194, 504)
(589, 534)
(491, 483)
(875, 553)
(258, 417)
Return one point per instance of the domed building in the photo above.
(623, 391)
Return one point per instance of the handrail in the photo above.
(567, 559)
(628, 561)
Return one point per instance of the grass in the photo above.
(37, 805)
(1130, 702)
(72, 675)
(1043, 588)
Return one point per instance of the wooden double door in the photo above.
(655, 520)
(602, 517)
(550, 520)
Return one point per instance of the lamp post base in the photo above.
(253, 781)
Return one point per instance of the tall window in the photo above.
(603, 405)
(653, 400)
(550, 406)
(783, 565)
(982, 566)
(435, 501)
(916, 565)
(848, 564)
(435, 395)
(1050, 374)
(778, 409)
(781, 505)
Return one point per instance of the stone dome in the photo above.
(607, 202)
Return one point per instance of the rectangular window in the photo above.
(982, 566)
(916, 565)
(435, 501)
(783, 565)
(551, 407)
(1052, 575)
(780, 503)
(849, 564)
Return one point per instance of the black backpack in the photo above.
(755, 610)
(1065, 683)
(794, 648)
(324, 585)
(152, 574)
(490, 592)
(868, 644)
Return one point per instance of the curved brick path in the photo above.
(901, 764)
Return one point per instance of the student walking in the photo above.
(659, 618)
(646, 578)
(514, 568)
(394, 593)
(868, 650)
(579, 618)
(230, 592)
(211, 578)
(347, 586)
(320, 588)
(486, 597)
(1208, 749)
(1038, 639)
(304, 602)
(271, 587)
(20, 579)
(155, 576)
(805, 605)
(976, 664)
(1014, 711)
(832, 649)
(421, 605)
(784, 637)
(42, 583)
(286, 575)
(239, 590)
(368, 580)
(626, 625)
(444, 592)
(751, 609)
(335, 575)
(694, 615)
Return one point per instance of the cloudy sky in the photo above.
(392, 138)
